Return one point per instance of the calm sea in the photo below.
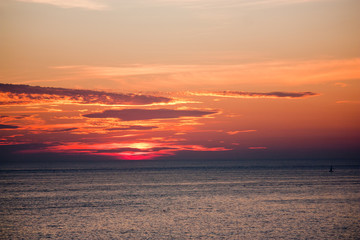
(189, 201)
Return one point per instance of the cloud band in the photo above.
(25, 94)
(146, 114)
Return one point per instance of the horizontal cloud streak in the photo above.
(241, 94)
(348, 102)
(232, 3)
(5, 126)
(65, 129)
(122, 150)
(146, 114)
(85, 4)
(25, 94)
(188, 77)
(240, 131)
(204, 4)
(132, 128)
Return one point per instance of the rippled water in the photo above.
(190, 202)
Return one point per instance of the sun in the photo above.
(142, 145)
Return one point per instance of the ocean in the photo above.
(147, 200)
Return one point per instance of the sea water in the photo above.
(162, 201)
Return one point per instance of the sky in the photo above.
(180, 79)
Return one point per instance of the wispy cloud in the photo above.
(187, 77)
(130, 70)
(65, 129)
(146, 114)
(240, 131)
(232, 3)
(257, 148)
(85, 4)
(340, 84)
(140, 150)
(23, 94)
(241, 94)
(349, 102)
(132, 128)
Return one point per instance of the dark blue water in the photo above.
(167, 200)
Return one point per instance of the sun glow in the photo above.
(142, 145)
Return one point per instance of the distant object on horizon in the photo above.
(331, 169)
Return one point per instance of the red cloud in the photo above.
(124, 150)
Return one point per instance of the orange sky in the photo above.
(189, 79)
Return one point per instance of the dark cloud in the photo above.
(132, 128)
(64, 130)
(289, 94)
(22, 116)
(241, 94)
(24, 94)
(145, 114)
(4, 126)
(162, 148)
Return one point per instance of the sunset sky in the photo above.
(180, 79)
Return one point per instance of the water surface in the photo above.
(135, 201)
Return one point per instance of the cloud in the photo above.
(25, 94)
(349, 102)
(146, 114)
(257, 148)
(126, 151)
(18, 147)
(4, 126)
(134, 150)
(241, 94)
(340, 84)
(15, 117)
(175, 77)
(119, 150)
(232, 3)
(241, 131)
(85, 4)
(65, 129)
(132, 128)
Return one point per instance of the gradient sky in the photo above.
(180, 79)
